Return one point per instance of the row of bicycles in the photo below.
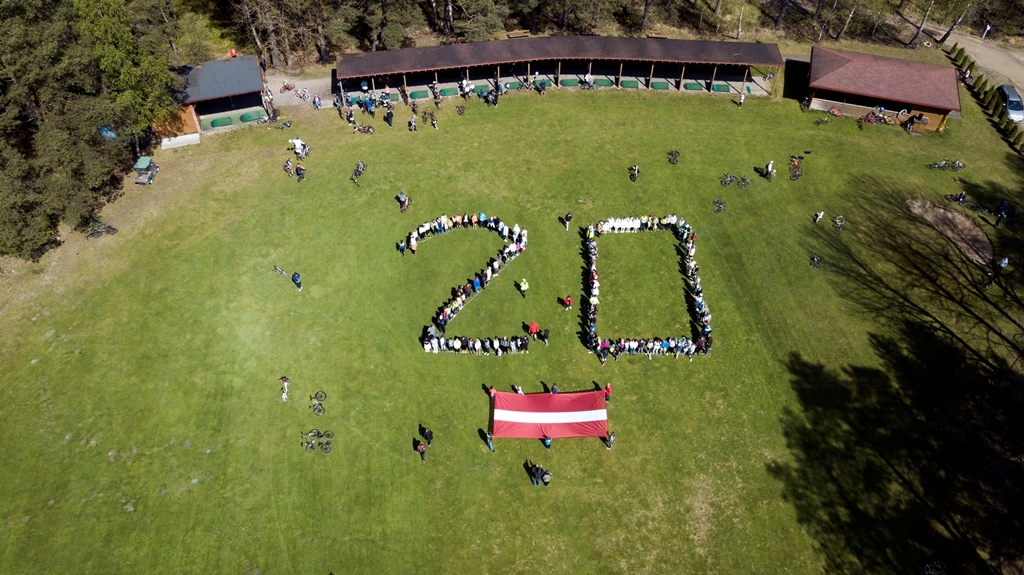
(315, 440)
(951, 165)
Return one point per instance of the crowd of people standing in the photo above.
(698, 341)
(516, 238)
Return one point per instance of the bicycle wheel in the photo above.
(310, 447)
(632, 177)
(325, 447)
(742, 184)
(795, 176)
(320, 396)
(328, 434)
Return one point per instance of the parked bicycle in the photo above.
(287, 87)
(673, 157)
(316, 403)
(728, 179)
(303, 94)
(823, 121)
(719, 206)
(634, 172)
(312, 445)
(934, 568)
(839, 223)
(317, 434)
(271, 119)
(816, 262)
(98, 228)
(460, 110)
(287, 124)
(743, 183)
(955, 165)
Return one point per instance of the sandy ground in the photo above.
(998, 61)
(320, 86)
(962, 230)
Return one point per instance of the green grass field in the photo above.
(142, 423)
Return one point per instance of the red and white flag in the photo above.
(580, 414)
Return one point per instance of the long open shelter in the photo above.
(651, 63)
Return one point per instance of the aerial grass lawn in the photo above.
(143, 428)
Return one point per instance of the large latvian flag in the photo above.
(580, 414)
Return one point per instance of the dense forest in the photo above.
(82, 82)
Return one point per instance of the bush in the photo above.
(956, 46)
(970, 67)
(959, 55)
(981, 88)
(1019, 140)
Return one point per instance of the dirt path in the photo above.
(1003, 64)
(320, 86)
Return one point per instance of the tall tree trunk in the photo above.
(286, 46)
(955, 24)
(435, 17)
(739, 30)
(899, 9)
(849, 17)
(718, 8)
(321, 39)
(533, 20)
(782, 14)
(923, 21)
(170, 39)
(647, 10)
(449, 19)
(267, 23)
(565, 18)
(878, 19)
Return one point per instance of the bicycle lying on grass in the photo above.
(673, 157)
(839, 223)
(312, 445)
(634, 173)
(955, 165)
(98, 228)
(823, 121)
(358, 172)
(728, 179)
(316, 403)
(719, 206)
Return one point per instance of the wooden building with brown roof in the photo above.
(856, 83)
(650, 63)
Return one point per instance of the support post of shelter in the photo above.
(711, 86)
(405, 85)
(743, 86)
(650, 78)
(681, 74)
(373, 85)
(558, 74)
(527, 71)
(590, 67)
(778, 70)
(499, 77)
(618, 79)
(435, 76)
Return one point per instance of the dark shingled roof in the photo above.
(556, 48)
(222, 78)
(884, 78)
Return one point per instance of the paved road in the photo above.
(999, 62)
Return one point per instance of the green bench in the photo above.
(630, 84)
(220, 122)
(395, 97)
(721, 88)
(659, 85)
(693, 86)
(570, 82)
(604, 83)
(419, 95)
(514, 85)
(250, 116)
(449, 91)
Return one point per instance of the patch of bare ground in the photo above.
(960, 229)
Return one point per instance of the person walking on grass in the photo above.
(428, 435)
(742, 97)
(546, 441)
(297, 280)
(533, 330)
(567, 219)
(607, 392)
(610, 440)
(421, 448)
(544, 336)
(390, 119)
(285, 382)
(523, 286)
(300, 171)
(490, 442)
(568, 302)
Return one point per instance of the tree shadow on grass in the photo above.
(920, 458)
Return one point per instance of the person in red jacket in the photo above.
(607, 392)
(568, 302)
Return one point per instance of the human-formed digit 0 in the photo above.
(435, 338)
(699, 339)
